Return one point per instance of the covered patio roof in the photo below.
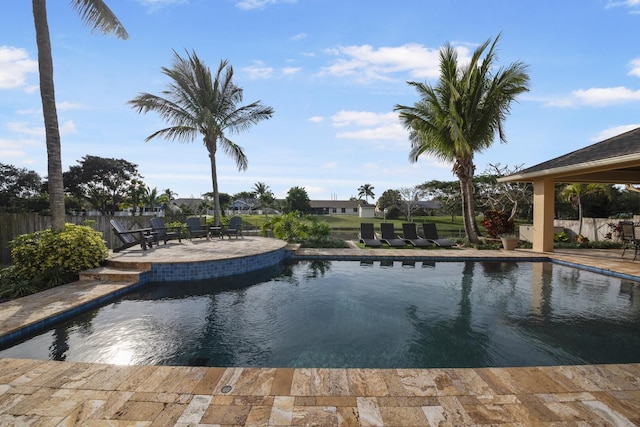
(613, 161)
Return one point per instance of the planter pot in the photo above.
(509, 243)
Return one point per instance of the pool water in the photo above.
(377, 314)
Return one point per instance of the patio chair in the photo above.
(234, 229)
(165, 233)
(389, 236)
(410, 235)
(142, 236)
(368, 236)
(629, 238)
(431, 233)
(196, 229)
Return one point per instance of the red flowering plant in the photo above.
(498, 223)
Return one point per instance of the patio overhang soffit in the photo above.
(613, 170)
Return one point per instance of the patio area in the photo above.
(36, 392)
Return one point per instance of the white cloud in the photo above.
(635, 66)
(362, 118)
(597, 97)
(369, 126)
(258, 71)
(367, 64)
(23, 128)
(330, 165)
(611, 132)
(153, 5)
(633, 5)
(69, 106)
(259, 4)
(299, 36)
(291, 70)
(14, 66)
(316, 119)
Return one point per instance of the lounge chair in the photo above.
(141, 236)
(368, 236)
(629, 238)
(389, 236)
(195, 229)
(165, 233)
(234, 229)
(431, 233)
(410, 235)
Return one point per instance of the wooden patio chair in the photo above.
(142, 236)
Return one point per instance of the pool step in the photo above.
(110, 274)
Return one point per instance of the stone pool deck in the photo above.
(48, 393)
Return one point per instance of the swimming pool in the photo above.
(374, 314)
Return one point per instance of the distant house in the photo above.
(342, 207)
(244, 206)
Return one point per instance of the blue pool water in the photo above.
(370, 314)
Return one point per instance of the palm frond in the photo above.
(97, 15)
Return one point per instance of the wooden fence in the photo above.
(12, 225)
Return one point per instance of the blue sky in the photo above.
(332, 70)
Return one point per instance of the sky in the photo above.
(332, 70)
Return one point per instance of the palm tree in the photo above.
(366, 191)
(196, 104)
(264, 195)
(575, 192)
(461, 114)
(96, 14)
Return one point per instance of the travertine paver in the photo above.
(48, 393)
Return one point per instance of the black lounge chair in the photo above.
(195, 229)
(410, 235)
(368, 236)
(165, 233)
(234, 229)
(431, 233)
(142, 236)
(629, 238)
(389, 236)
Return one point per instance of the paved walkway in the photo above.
(48, 393)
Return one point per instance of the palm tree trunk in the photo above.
(47, 93)
(216, 196)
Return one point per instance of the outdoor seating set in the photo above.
(630, 237)
(409, 236)
(146, 237)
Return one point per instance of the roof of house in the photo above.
(614, 160)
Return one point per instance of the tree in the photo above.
(409, 199)
(19, 187)
(461, 114)
(502, 196)
(366, 191)
(195, 103)
(574, 193)
(447, 193)
(105, 183)
(297, 200)
(96, 14)
(390, 200)
(265, 195)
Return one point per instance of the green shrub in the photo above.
(287, 227)
(50, 258)
(11, 286)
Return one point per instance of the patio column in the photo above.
(543, 212)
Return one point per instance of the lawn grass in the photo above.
(348, 226)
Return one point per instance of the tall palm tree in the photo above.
(195, 103)
(97, 15)
(366, 191)
(575, 192)
(461, 114)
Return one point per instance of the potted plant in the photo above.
(499, 224)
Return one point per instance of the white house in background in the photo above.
(342, 207)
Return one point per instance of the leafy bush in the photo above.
(49, 258)
(287, 227)
(561, 237)
(497, 223)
